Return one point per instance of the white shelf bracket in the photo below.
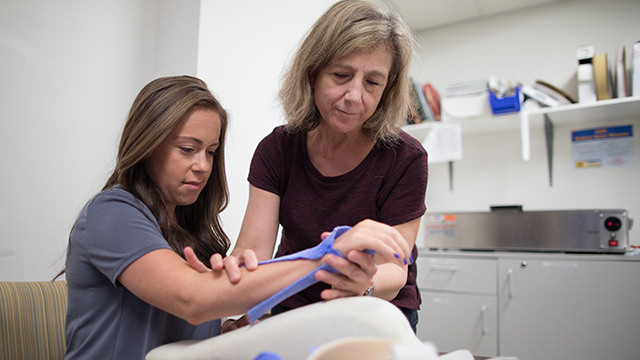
(525, 135)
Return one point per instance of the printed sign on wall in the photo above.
(602, 147)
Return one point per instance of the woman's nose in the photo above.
(202, 162)
(354, 91)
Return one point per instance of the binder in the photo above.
(635, 86)
(601, 77)
(586, 85)
(622, 79)
(420, 102)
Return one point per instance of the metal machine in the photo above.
(512, 229)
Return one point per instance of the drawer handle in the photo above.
(510, 282)
(483, 311)
(451, 268)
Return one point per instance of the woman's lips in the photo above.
(193, 185)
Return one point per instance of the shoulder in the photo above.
(109, 222)
(404, 148)
(406, 157)
(281, 134)
(279, 141)
(116, 193)
(116, 204)
(410, 144)
(114, 196)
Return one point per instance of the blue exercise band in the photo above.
(316, 252)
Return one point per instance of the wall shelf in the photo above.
(549, 118)
(476, 125)
(576, 113)
(566, 114)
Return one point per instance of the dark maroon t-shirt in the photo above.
(388, 186)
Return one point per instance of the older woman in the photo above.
(341, 157)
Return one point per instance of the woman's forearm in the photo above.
(389, 280)
(166, 281)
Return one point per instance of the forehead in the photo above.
(378, 58)
(200, 122)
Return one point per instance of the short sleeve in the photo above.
(268, 165)
(406, 190)
(115, 230)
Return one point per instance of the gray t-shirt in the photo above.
(105, 320)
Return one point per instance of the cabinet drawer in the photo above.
(454, 274)
(459, 321)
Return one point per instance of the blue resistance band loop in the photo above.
(325, 247)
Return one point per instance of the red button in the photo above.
(613, 243)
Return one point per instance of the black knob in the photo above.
(612, 223)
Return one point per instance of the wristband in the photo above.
(369, 292)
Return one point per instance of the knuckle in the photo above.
(341, 283)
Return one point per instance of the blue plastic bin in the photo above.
(505, 104)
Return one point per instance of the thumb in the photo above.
(193, 260)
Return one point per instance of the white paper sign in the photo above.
(602, 147)
(444, 142)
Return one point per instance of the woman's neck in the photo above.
(334, 154)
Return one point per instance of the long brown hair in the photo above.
(156, 111)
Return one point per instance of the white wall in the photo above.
(243, 49)
(69, 71)
(537, 43)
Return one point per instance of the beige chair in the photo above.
(32, 317)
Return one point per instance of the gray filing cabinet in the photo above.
(534, 306)
(459, 303)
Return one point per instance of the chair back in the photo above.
(32, 318)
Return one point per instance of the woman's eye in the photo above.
(340, 75)
(211, 153)
(374, 83)
(186, 149)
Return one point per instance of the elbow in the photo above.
(195, 320)
(195, 315)
(391, 292)
(194, 311)
(201, 310)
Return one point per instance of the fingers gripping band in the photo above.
(325, 247)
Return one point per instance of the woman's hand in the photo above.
(193, 260)
(355, 273)
(217, 264)
(354, 277)
(387, 242)
(231, 264)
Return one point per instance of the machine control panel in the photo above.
(580, 231)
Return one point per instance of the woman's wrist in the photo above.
(368, 292)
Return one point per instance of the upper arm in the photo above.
(163, 279)
(260, 224)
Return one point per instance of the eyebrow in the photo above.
(195, 139)
(371, 73)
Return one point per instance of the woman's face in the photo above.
(181, 166)
(348, 91)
